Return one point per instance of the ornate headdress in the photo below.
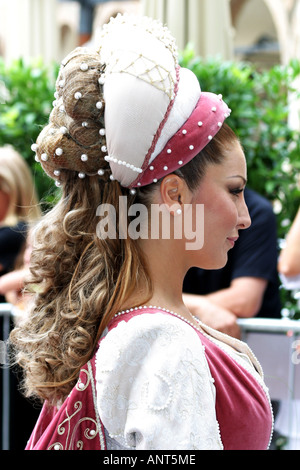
(137, 114)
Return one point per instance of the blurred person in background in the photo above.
(19, 208)
(289, 270)
(289, 259)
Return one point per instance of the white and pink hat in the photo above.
(156, 117)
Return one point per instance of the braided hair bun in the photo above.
(75, 139)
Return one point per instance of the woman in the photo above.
(148, 382)
(18, 206)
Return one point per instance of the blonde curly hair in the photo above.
(79, 280)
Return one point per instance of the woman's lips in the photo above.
(232, 240)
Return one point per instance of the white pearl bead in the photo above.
(44, 157)
(84, 124)
(180, 162)
(214, 109)
(34, 147)
(81, 175)
(166, 168)
(102, 132)
(184, 132)
(200, 123)
(77, 95)
(100, 172)
(169, 151)
(99, 105)
(84, 67)
(151, 168)
(84, 158)
(63, 130)
(56, 172)
(59, 152)
(210, 137)
(101, 80)
(192, 147)
(103, 149)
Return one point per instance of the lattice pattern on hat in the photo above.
(146, 24)
(145, 69)
(138, 59)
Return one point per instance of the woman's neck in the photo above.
(167, 274)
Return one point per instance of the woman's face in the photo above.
(221, 192)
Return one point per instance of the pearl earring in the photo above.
(179, 212)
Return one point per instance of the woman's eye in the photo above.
(236, 191)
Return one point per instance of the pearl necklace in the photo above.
(196, 324)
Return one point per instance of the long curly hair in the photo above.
(80, 282)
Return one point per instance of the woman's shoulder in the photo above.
(148, 333)
(155, 320)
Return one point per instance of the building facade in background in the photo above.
(265, 32)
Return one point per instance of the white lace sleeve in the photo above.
(154, 387)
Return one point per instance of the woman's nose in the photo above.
(244, 216)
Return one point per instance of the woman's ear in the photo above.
(175, 193)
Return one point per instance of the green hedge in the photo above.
(26, 96)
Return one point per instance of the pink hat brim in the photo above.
(200, 128)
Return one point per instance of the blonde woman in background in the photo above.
(19, 209)
(18, 206)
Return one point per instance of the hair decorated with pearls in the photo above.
(75, 138)
(127, 111)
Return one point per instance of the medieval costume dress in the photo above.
(156, 382)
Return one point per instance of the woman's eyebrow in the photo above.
(238, 176)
